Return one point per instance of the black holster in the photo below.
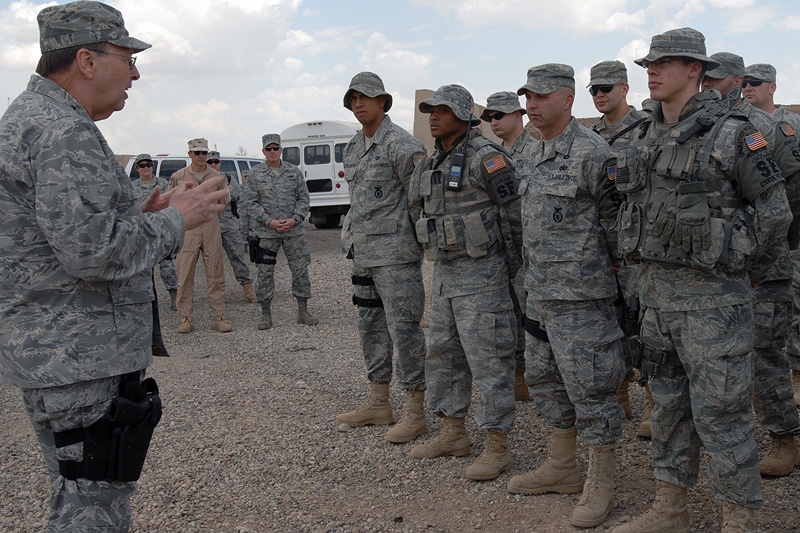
(259, 255)
(115, 447)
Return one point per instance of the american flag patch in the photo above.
(612, 173)
(755, 141)
(787, 130)
(495, 164)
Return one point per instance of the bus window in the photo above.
(319, 154)
(292, 155)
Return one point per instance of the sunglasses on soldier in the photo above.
(497, 116)
(752, 83)
(212, 161)
(594, 89)
(200, 152)
(144, 165)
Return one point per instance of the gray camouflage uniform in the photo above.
(278, 193)
(697, 321)
(378, 236)
(569, 205)
(232, 240)
(166, 266)
(470, 234)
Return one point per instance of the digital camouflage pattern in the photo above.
(378, 236)
(568, 213)
(232, 240)
(608, 73)
(608, 131)
(74, 236)
(166, 266)
(275, 194)
(472, 331)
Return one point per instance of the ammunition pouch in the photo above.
(659, 363)
(461, 234)
(115, 447)
(534, 327)
(259, 255)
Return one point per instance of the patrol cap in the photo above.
(729, 65)
(84, 22)
(270, 138)
(369, 84)
(761, 71)
(142, 157)
(457, 98)
(681, 42)
(608, 73)
(199, 144)
(504, 101)
(649, 105)
(544, 79)
(213, 154)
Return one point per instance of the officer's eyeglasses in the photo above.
(212, 161)
(130, 59)
(200, 152)
(144, 165)
(497, 116)
(752, 83)
(594, 89)
(272, 148)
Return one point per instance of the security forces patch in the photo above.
(379, 191)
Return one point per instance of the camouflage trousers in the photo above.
(773, 399)
(793, 346)
(573, 381)
(298, 256)
(392, 328)
(472, 338)
(519, 300)
(628, 319)
(80, 505)
(708, 403)
(234, 247)
(169, 277)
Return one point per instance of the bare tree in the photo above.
(241, 151)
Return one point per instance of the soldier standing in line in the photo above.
(464, 203)
(569, 212)
(77, 251)
(206, 241)
(232, 241)
(277, 206)
(696, 179)
(504, 115)
(378, 236)
(608, 85)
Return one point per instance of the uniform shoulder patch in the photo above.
(418, 158)
(611, 172)
(496, 163)
(787, 130)
(755, 141)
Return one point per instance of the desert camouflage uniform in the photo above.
(697, 320)
(232, 240)
(166, 266)
(77, 284)
(470, 235)
(278, 193)
(205, 240)
(569, 205)
(378, 235)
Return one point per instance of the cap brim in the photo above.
(537, 88)
(605, 81)
(369, 92)
(709, 63)
(132, 43)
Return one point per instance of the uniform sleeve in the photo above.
(414, 193)
(89, 211)
(407, 155)
(607, 197)
(303, 202)
(256, 213)
(502, 185)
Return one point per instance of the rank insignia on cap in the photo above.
(612, 173)
(755, 141)
(495, 164)
(788, 130)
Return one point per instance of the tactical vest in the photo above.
(655, 169)
(457, 223)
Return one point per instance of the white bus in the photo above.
(317, 148)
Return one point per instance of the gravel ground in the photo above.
(248, 442)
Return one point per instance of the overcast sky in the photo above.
(233, 70)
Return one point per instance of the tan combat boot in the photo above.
(597, 499)
(558, 474)
(667, 515)
(222, 325)
(303, 316)
(796, 386)
(521, 392)
(781, 458)
(452, 440)
(494, 460)
(644, 431)
(375, 411)
(623, 399)
(413, 423)
(187, 325)
(249, 293)
(737, 519)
